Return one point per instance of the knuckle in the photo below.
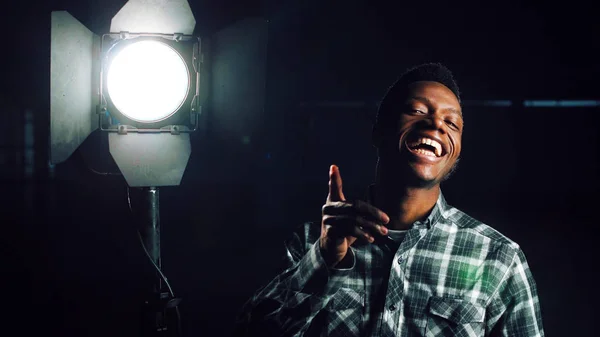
(335, 208)
(330, 220)
(365, 223)
(360, 220)
(362, 207)
(371, 210)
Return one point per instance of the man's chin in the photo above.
(423, 176)
(409, 173)
(417, 179)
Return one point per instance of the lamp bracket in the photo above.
(175, 130)
(178, 37)
(101, 109)
(124, 35)
(196, 105)
(198, 57)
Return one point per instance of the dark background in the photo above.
(71, 262)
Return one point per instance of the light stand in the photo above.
(160, 315)
(150, 229)
(154, 317)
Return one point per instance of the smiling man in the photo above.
(403, 263)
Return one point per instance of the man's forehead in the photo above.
(432, 87)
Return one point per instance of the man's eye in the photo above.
(417, 111)
(452, 124)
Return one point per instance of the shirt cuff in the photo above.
(317, 247)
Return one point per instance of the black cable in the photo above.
(162, 275)
(105, 173)
(79, 158)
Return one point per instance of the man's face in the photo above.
(429, 129)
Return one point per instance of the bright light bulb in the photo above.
(147, 81)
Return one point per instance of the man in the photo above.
(405, 263)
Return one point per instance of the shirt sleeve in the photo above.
(515, 308)
(290, 303)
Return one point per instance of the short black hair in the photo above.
(434, 72)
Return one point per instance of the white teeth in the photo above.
(425, 152)
(431, 142)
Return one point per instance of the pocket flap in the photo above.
(456, 310)
(345, 298)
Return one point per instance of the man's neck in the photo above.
(405, 205)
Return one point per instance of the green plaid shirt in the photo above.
(451, 276)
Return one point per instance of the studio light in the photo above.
(147, 81)
(140, 85)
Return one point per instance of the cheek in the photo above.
(404, 128)
(457, 145)
(394, 140)
(458, 151)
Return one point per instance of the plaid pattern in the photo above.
(451, 276)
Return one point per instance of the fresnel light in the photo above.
(140, 86)
(149, 82)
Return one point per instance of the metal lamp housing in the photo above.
(185, 117)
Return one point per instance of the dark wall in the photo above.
(75, 267)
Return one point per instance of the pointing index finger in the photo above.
(335, 185)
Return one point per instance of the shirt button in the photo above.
(399, 260)
(392, 307)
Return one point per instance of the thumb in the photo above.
(335, 185)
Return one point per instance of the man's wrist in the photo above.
(347, 262)
(329, 259)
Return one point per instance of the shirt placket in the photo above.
(394, 305)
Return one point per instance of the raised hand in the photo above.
(343, 222)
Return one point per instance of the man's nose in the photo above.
(434, 122)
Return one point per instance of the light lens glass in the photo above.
(147, 81)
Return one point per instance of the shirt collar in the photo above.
(441, 207)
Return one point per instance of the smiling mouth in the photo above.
(426, 147)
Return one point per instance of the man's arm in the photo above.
(515, 309)
(288, 305)
(291, 305)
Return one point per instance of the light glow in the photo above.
(147, 81)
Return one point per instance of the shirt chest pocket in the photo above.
(454, 317)
(345, 313)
